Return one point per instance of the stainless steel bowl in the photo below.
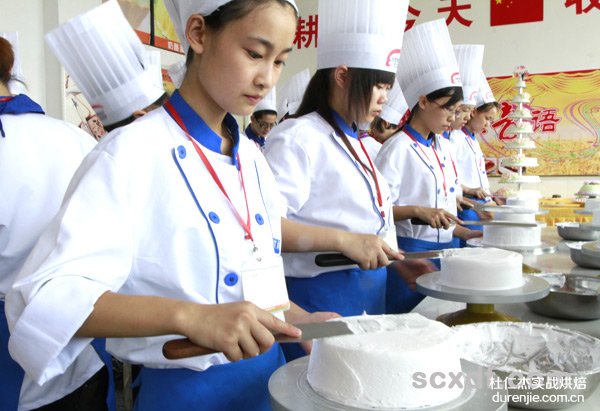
(583, 260)
(575, 232)
(572, 297)
(530, 358)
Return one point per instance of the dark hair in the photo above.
(158, 103)
(7, 60)
(234, 10)
(380, 125)
(362, 81)
(258, 114)
(484, 108)
(455, 94)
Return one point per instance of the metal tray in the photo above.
(575, 232)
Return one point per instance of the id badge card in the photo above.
(263, 283)
(390, 238)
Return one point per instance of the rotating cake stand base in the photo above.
(475, 313)
(480, 303)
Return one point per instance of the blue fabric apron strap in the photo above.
(471, 215)
(346, 292)
(241, 385)
(99, 345)
(11, 373)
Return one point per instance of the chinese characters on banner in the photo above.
(566, 122)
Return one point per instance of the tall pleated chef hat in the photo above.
(177, 72)
(485, 94)
(427, 62)
(181, 10)
(291, 93)
(361, 33)
(469, 58)
(14, 86)
(108, 62)
(269, 102)
(395, 108)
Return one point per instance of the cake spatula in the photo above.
(500, 223)
(335, 259)
(184, 348)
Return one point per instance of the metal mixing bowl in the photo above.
(574, 231)
(572, 297)
(534, 360)
(581, 259)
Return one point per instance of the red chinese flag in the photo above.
(504, 12)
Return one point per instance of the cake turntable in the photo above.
(480, 304)
(546, 247)
(290, 391)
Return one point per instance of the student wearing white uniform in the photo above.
(420, 175)
(470, 160)
(38, 156)
(290, 94)
(325, 173)
(185, 212)
(393, 115)
(263, 119)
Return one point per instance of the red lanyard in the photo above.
(436, 157)
(3, 99)
(374, 173)
(245, 225)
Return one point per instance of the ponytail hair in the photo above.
(7, 60)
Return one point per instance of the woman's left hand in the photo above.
(410, 270)
(297, 315)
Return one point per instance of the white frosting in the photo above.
(520, 161)
(596, 217)
(376, 369)
(497, 236)
(516, 178)
(521, 113)
(520, 127)
(592, 204)
(521, 142)
(525, 200)
(484, 269)
(522, 98)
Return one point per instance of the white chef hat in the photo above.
(361, 33)
(427, 62)
(469, 58)
(290, 95)
(485, 94)
(16, 84)
(396, 107)
(108, 62)
(177, 72)
(269, 102)
(181, 10)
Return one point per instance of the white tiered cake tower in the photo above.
(522, 128)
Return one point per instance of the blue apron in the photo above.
(11, 374)
(346, 292)
(399, 297)
(241, 385)
(470, 215)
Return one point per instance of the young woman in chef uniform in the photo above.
(38, 157)
(325, 173)
(470, 160)
(184, 237)
(420, 174)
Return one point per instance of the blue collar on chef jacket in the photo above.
(350, 131)
(467, 132)
(19, 104)
(417, 136)
(201, 132)
(446, 135)
(254, 137)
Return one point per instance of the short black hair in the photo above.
(258, 114)
(455, 94)
(484, 108)
(158, 103)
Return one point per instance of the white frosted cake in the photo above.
(516, 179)
(520, 161)
(482, 269)
(592, 204)
(527, 199)
(520, 127)
(596, 217)
(522, 98)
(497, 236)
(377, 367)
(524, 113)
(521, 142)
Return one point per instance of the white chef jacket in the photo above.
(130, 224)
(373, 146)
(470, 161)
(415, 178)
(324, 185)
(38, 157)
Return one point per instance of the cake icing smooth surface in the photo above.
(376, 367)
(482, 269)
(521, 142)
(497, 236)
(516, 178)
(520, 161)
